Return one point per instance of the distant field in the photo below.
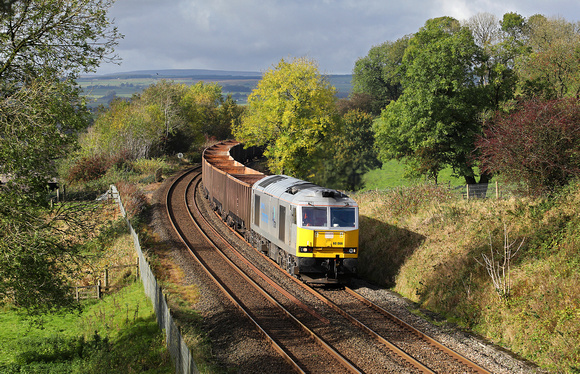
(102, 89)
(392, 174)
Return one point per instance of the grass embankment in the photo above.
(136, 181)
(117, 334)
(428, 245)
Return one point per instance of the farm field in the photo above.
(392, 174)
(102, 89)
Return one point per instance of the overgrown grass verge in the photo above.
(118, 334)
(428, 246)
(181, 296)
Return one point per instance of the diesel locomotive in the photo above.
(310, 231)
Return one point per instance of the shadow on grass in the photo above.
(384, 249)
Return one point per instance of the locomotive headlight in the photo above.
(350, 250)
(305, 249)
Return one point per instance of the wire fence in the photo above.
(487, 191)
(180, 353)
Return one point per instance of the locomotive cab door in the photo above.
(292, 236)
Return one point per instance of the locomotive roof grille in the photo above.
(293, 190)
(269, 181)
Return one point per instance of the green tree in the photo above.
(434, 123)
(230, 116)
(38, 124)
(551, 68)
(127, 127)
(163, 117)
(496, 76)
(377, 74)
(57, 37)
(291, 112)
(350, 152)
(201, 105)
(43, 45)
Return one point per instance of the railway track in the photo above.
(292, 339)
(413, 351)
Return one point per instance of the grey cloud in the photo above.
(254, 34)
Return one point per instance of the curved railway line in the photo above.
(315, 330)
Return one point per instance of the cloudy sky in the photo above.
(253, 35)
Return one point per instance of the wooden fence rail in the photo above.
(102, 287)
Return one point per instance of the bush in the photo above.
(88, 169)
(149, 166)
(122, 161)
(537, 144)
(134, 200)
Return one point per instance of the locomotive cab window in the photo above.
(343, 217)
(314, 216)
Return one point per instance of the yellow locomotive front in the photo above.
(310, 231)
(327, 240)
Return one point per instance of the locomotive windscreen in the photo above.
(343, 217)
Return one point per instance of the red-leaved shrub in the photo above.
(134, 200)
(88, 169)
(537, 144)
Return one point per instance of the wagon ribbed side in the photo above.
(228, 183)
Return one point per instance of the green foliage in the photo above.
(290, 112)
(149, 166)
(350, 153)
(55, 37)
(433, 124)
(378, 74)
(38, 124)
(166, 118)
(550, 70)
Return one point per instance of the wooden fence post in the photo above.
(99, 289)
(496, 190)
(106, 277)
(467, 194)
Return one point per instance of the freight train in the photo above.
(310, 231)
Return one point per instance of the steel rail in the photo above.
(418, 333)
(404, 355)
(340, 359)
(221, 286)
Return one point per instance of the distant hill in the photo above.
(103, 88)
(175, 73)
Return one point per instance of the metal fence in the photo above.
(180, 353)
(487, 191)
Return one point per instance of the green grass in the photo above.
(392, 175)
(116, 334)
